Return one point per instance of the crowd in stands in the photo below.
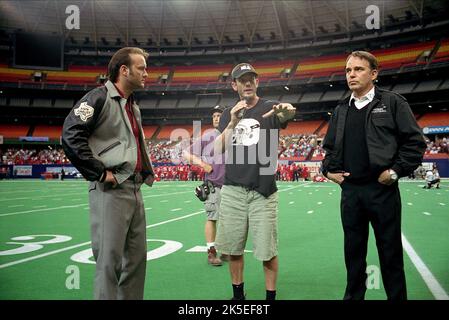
(297, 145)
(14, 156)
(438, 146)
(318, 153)
(292, 172)
(169, 164)
(160, 151)
(181, 172)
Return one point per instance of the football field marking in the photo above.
(432, 283)
(14, 199)
(43, 209)
(38, 197)
(12, 263)
(83, 204)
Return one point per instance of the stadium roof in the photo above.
(194, 22)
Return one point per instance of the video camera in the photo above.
(202, 191)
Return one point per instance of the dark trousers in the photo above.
(380, 205)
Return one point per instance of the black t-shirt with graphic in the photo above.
(251, 160)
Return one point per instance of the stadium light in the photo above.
(38, 76)
(285, 73)
(101, 79)
(223, 77)
(163, 78)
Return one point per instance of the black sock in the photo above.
(238, 291)
(271, 295)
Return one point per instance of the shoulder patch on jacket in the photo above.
(84, 111)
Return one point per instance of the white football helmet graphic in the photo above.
(246, 132)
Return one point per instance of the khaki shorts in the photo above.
(212, 205)
(243, 211)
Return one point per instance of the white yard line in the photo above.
(432, 283)
(166, 194)
(43, 209)
(81, 205)
(39, 197)
(43, 255)
(14, 199)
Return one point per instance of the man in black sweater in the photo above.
(372, 140)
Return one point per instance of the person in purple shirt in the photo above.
(202, 154)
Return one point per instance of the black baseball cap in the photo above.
(241, 69)
(218, 108)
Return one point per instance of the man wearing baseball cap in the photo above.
(249, 201)
(202, 154)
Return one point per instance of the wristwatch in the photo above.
(393, 175)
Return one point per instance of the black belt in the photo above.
(136, 177)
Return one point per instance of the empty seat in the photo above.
(333, 95)
(19, 102)
(46, 103)
(188, 103)
(148, 103)
(384, 87)
(168, 103)
(403, 87)
(434, 119)
(208, 101)
(167, 131)
(149, 131)
(64, 103)
(430, 85)
(229, 101)
(273, 97)
(301, 127)
(48, 131)
(311, 97)
(445, 84)
(13, 131)
(290, 98)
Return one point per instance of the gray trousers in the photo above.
(118, 232)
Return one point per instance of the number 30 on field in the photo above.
(30, 243)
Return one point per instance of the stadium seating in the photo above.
(301, 127)
(313, 69)
(199, 74)
(13, 131)
(149, 131)
(52, 132)
(434, 119)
